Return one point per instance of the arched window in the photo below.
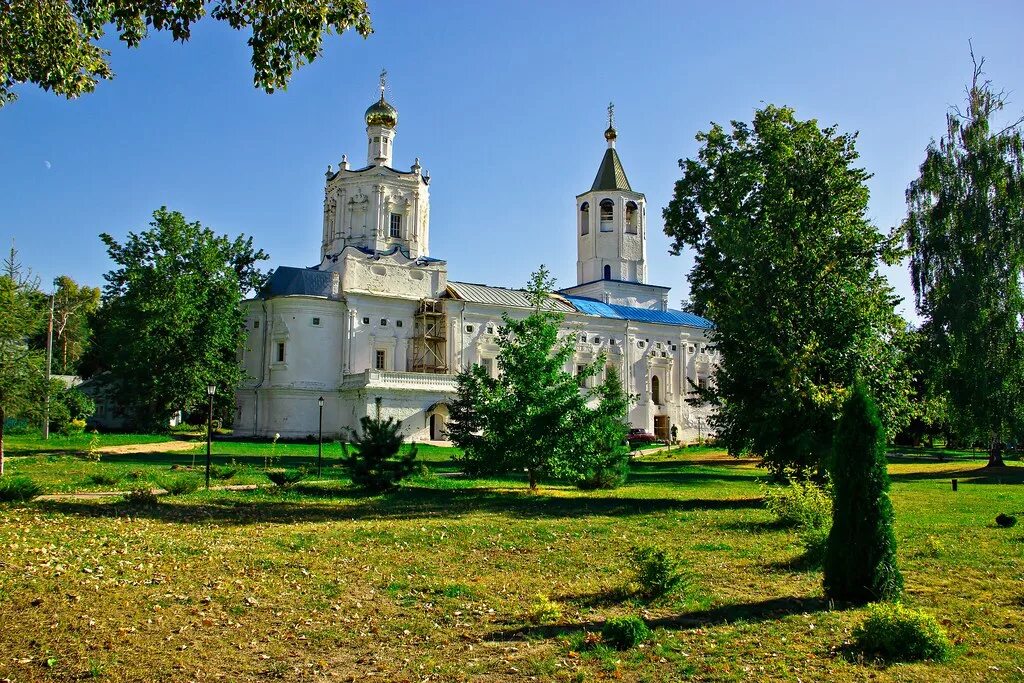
(585, 218)
(607, 272)
(656, 390)
(631, 217)
(607, 215)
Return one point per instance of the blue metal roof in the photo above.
(589, 306)
(287, 281)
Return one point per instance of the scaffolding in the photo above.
(430, 338)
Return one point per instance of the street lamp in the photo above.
(320, 436)
(211, 389)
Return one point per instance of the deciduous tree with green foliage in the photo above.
(786, 266)
(55, 43)
(965, 233)
(860, 558)
(533, 415)
(171, 320)
(21, 366)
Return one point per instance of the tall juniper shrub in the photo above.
(860, 561)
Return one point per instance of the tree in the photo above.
(965, 233)
(860, 558)
(604, 453)
(21, 366)
(374, 463)
(55, 44)
(73, 305)
(787, 268)
(171, 320)
(533, 415)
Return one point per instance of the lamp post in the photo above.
(211, 389)
(320, 436)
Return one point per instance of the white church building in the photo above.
(379, 318)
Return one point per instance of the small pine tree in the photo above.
(860, 561)
(374, 463)
(606, 450)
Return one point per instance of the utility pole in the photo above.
(49, 361)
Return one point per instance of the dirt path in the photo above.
(160, 447)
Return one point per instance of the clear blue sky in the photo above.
(505, 105)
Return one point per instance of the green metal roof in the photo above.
(611, 176)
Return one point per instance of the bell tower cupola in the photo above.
(381, 121)
(611, 237)
(611, 230)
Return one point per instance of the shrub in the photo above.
(180, 486)
(140, 498)
(603, 479)
(18, 489)
(800, 503)
(285, 477)
(1006, 521)
(657, 573)
(934, 547)
(544, 610)
(73, 427)
(223, 472)
(16, 425)
(623, 633)
(814, 542)
(897, 633)
(860, 562)
(105, 478)
(374, 464)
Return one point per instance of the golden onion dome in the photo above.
(610, 134)
(381, 113)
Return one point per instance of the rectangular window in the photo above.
(396, 225)
(488, 364)
(379, 359)
(366, 321)
(316, 322)
(280, 352)
(580, 378)
(702, 382)
(255, 324)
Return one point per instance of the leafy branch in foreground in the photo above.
(56, 45)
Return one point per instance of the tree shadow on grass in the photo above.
(971, 475)
(406, 503)
(747, 612)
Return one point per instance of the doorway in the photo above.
(661, 428)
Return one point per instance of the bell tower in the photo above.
(611, 237)
(611, 223)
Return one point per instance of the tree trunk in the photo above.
(995, 455)
(3, 417)
(533, 479)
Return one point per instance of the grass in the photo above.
(61, 469)
(32, 443)
(436, 580)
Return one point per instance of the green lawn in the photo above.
(26, 444)
(435, 581)
(57, 468)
